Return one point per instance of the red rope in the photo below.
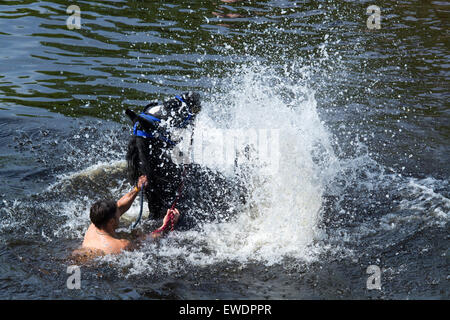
(179, 188)
(166, 225)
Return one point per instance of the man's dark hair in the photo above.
(102, 211)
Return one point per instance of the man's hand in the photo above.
(166, 223)
(142, 181)
(176, 216)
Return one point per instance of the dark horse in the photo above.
(204, 194)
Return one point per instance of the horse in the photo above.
(204, 194)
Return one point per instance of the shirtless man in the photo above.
(105, 214)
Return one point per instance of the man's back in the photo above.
(95, 239)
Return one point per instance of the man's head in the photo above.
(104, 214)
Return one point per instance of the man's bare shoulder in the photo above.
(83, 255)
(124, 241)
(125, 244)
(116, 246)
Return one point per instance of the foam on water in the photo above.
(421, 202)
(285, 205)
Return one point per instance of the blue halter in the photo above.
(143, 134)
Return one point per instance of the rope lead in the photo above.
(140, 211)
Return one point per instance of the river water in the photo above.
(363, 121)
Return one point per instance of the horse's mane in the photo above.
(137, 158)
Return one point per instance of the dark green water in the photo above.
(381, 96)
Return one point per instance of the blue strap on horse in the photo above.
(154, 120)
(144, 134)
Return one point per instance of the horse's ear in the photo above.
(133, 117)
(145, 123)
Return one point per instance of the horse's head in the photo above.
(153, 126)
(177, 111)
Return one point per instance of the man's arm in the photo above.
(126, 201)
